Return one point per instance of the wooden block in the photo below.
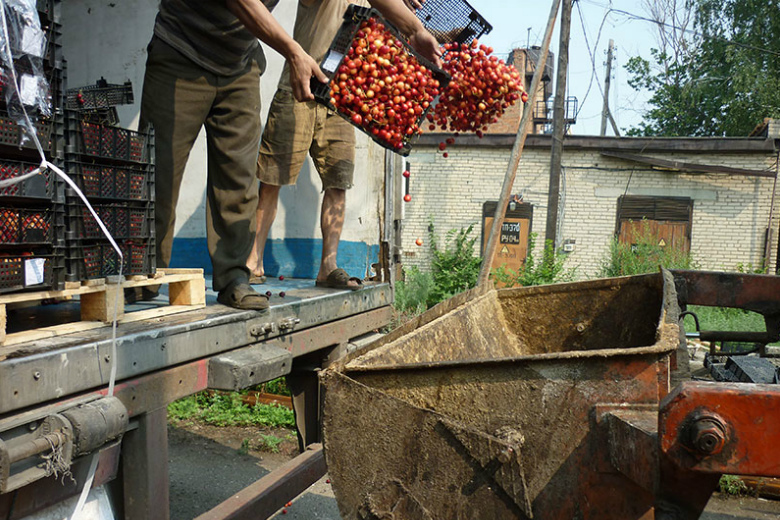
(189, 292)
(136, 278)
(70, 286)
(2, 323)
(99, 306)
(94, 282)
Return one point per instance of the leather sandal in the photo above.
(240, 295)
(339, 279)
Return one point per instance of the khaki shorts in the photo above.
(294, 129)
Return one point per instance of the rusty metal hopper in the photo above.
(486, 406)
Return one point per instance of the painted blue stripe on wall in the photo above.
(292, 257)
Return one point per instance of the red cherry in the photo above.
(407, 173)
(268, 293)
(281, 277)
(281, 294)
(445, 155)
(419, 242)
(407, 198)
(442, 146)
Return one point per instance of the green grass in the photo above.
(725, 319)
(228, 409)
(732, 485)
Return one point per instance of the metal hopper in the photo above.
(492, 405)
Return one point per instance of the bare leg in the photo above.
(331, 223)
(266, 213)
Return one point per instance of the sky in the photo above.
(516, 23)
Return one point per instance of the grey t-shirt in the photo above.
(209, 34)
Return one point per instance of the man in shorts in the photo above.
(295, 129)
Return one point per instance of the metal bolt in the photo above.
(36, 375)
(708, 435)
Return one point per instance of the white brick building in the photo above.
(730, 208)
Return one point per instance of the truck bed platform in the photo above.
(306, 319)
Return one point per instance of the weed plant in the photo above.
(646, 256)
(228, 409)
(549, 269)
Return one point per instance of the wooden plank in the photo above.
(76, 327)
(54, 331)
(688, 167)
(159, 312)
(3, 320)
(169, 271)
(168, 278)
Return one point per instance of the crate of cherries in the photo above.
(377, 81)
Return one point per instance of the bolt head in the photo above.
(708, 436)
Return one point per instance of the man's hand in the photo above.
(400, 14)
(302, 69)
(424, 43)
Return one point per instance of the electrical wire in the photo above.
(633, 16)
(591, 54)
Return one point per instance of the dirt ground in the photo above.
(208, 464)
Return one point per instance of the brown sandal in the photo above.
(339, 279)
(240, 295)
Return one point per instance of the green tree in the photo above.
(723, 81)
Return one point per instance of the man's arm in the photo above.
(261, 23)
(398, 12)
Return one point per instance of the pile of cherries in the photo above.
(382, 87)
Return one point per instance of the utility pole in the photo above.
(607, 80)
(517, 151)
(559, 126)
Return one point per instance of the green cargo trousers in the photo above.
(179, 98)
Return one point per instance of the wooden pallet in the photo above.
(98, 298)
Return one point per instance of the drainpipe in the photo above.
(768, 250)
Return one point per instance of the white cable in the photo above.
(30, 128)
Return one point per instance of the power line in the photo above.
(591, 54)
(633, 16)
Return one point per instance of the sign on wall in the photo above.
(513, 240)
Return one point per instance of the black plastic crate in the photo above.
(32, 226)
(113, 181)
(39, 270)
(339, 47)
(49, 11)
(41, 186)
(123, 221)
(11, 132)
(97, 259)
(102, 95)
(452, 21)
(107, 142)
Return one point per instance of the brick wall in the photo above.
(730, 213)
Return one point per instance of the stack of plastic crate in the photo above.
(114, 168)
(32, 220)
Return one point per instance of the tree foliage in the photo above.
(722, 80)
